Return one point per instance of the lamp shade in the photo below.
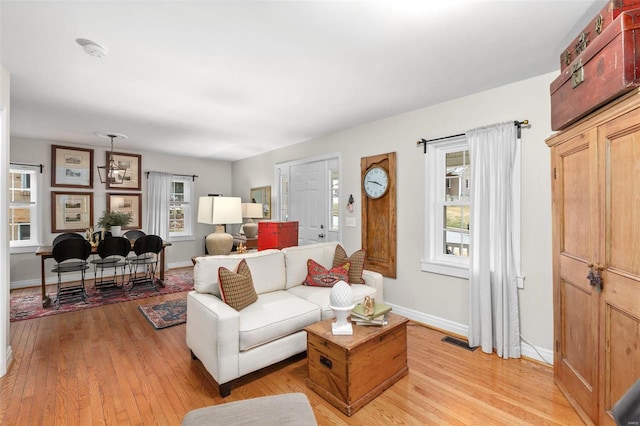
(252, 210)
(219, 210)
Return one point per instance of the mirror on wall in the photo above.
(262, 195)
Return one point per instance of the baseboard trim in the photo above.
(527, 350)
(7, 362)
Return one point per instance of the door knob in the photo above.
(320, 235)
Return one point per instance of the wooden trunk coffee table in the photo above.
(349, 371)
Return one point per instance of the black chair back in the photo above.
(114, 246)
(71, 248)
(148, 244)
(66, 236)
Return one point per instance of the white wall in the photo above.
(213, 177)
(435, 299)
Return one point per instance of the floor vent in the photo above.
(461, 343)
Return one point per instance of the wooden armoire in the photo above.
(595, 166)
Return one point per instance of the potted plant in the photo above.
(114, 221)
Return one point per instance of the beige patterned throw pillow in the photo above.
(237, 287)
(356, 260)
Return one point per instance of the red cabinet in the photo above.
(277, 235)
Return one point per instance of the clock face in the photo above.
(376, 182)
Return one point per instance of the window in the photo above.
(335, 200)
(23, 206)
(447, 210)
(180, 209)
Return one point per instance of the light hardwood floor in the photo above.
(108, 365)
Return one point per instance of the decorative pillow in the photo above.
(356, 260)
(319, 276)
(237, 287)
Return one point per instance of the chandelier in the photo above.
(112, 172)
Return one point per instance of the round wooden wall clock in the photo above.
(378, 176)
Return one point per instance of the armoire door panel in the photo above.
(622, 355)
(579, 340)
(623, 212)
(576, 200)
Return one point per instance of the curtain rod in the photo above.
(193, 177)
(424, 142)
(41, 166)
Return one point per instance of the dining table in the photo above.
(46, 252)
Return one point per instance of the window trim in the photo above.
(428, 263)
(435, 180)
(36, 224)
(189, 233)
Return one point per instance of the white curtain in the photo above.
(158, 201)
(493, 313)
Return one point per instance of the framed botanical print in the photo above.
(132, 165)
(71, 211)
(71, 167)
(127, 203)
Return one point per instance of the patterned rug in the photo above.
(30, 306)
(165, 314)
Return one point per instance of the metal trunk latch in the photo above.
(577, 74)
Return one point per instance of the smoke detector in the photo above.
(92, 48)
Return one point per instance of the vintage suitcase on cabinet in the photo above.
(277, 235)
(608, 68)
(601, 21)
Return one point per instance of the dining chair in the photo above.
(144, 264)
(66, 236)
(71, 256)
(132, 235)
(112, 254)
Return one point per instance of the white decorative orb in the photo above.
(341, 295)
(341, 302)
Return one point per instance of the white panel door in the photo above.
(309, 201)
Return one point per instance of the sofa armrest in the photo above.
(213, 335)
(375, 280)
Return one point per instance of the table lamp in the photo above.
(219, 211)
(251, 211)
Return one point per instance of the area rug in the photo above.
(165, 314)
(30, 306)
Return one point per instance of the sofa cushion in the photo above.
(320, 296)
(237, 287)
(296, 260)
(319, 276)
(267, 269)
(275, 315)
(357, 263)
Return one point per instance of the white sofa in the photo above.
(232, 343)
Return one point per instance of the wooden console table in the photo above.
(350, 371)
(46, 252)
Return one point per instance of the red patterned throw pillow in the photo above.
(237, 287)
(319, 276)
(357, 263)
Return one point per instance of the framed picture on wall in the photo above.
(127, 203)
(71, 167)
(262, 195)
(132, 163)
(71, 211)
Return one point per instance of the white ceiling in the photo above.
(228, 80)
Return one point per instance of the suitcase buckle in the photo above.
(577, 74)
